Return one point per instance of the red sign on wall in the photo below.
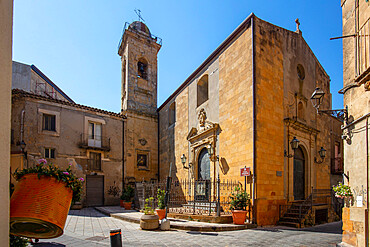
(245, 171)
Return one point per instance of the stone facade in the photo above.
(258, 100)
(71, 141)
(356, 81)
(6, 30)
(138, 50)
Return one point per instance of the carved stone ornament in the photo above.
(202, 117)
(143, 141)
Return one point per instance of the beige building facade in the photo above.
(248, 100)
(6, 30)
(356, 86)
(65, 133)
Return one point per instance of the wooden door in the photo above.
(299, 175)
(94, 191)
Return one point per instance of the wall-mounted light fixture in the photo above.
(22, 144)
(317, 99)
(211, 153)
(322, 154)
(294, 144)
(183, 161)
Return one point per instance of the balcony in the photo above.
(337, 166)
(94, 142)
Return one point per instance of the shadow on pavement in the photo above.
(334, 228)
(50, 244)
(87, 212)
(202, 233)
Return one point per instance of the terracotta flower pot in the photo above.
(39, 207)
(161, 213)
(149, 222)
(127, 205)
(121, 203)
(239, 217)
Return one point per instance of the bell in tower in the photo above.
(138, 49)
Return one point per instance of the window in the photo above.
(49, 153)
(142, 69)
(300, 111)
(95, 161)
(202, 90)
(172, 114)
(94, 134)
(48, 122)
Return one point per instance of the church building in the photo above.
(247, 105)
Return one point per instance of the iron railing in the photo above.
(193, 196)
(127, 25)
(94, 142)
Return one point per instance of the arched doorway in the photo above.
(204, 176)
(299, 175)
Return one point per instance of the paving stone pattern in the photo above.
(88, 227)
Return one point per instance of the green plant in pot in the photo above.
(128, 194)
(161, 210)
(239, 200)
(149, 220)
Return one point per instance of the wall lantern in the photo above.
(22, 144)
(294, 144)
(210, 150)
(183, 161)
(322, 153)
(317, 99)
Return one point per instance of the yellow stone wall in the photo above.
(236, 107)
(357, 100)
(270, 127)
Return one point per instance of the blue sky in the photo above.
(75, 42)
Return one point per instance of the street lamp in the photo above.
(317, 99)
(183, 161)
(322, 153)
(294, 144)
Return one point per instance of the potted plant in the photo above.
(41, 200)
(149, 220)
(161, 210)
(343, 191)
(239, 201)
(126, 197)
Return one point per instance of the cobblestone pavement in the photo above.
(88, 227)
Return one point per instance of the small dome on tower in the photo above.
(139, 26)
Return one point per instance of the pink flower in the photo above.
(66, 173)
(81, 179)
(42, 161)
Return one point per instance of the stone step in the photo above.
(291, 224)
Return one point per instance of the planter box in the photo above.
(39, 207)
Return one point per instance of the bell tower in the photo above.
(138, 49)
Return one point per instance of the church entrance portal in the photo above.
(204, 177)
(299, 175)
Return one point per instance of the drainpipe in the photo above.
(22, 133)
(158, 177)
(367, 184)
(254, 193)
(123, 153)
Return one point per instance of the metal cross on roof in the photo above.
(138, 12)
